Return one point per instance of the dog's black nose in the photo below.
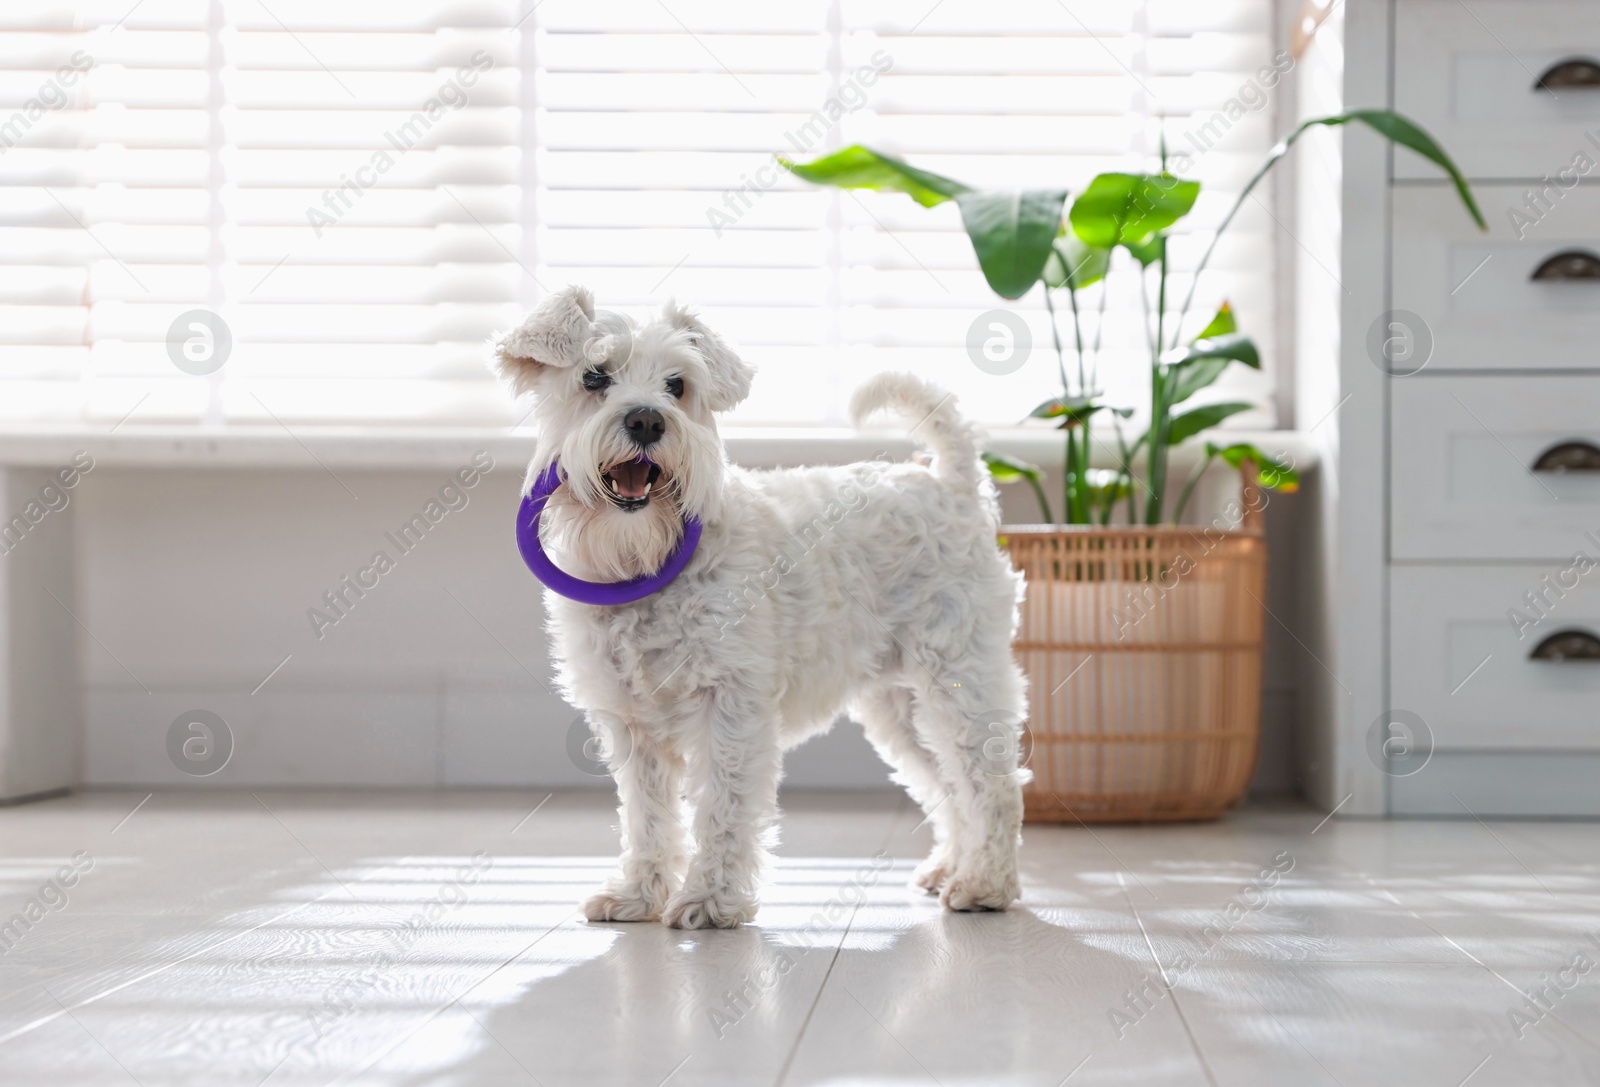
(644, 425)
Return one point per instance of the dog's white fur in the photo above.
(873, 586)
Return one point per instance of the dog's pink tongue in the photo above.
(632, 478)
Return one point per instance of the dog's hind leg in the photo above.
(648, 784)
(885, 712)
(734, 768)
(972, 730)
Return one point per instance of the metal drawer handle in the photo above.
(1572, 73)
(1569, 264)
(1577, 456)
(1567, 645)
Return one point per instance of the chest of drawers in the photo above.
(1465, 589)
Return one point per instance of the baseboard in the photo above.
(440, 732)
(32, 798)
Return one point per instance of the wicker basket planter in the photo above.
(1143, 653)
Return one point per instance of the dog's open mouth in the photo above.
(629, 482)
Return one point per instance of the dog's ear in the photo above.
(554, 334)
(730, 374)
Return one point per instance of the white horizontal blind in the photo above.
(338, 183)
(221, 155)
(372, 149)
(49, 266)
(1022, 94)
(657, 126)
(662, 183)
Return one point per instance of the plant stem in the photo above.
(1273, 156)
(1055, 336)
(1149, 438)
(1126, 453)
(1044, 503)
(1155, 463)
(1083, 509)
(1144, 308)
(1099, 328)
(1194, 480)
(1161, 297)
(1061, 365)
(1159, 411)
(1067, 459)
(1077, 335)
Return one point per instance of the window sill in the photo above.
(409, 448)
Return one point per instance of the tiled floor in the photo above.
(293, 938)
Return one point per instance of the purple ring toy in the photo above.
(592, 592)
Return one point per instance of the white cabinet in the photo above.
(1465, 586)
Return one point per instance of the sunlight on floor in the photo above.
(372, 941)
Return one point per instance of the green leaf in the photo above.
(859, 167)
(1149, 251)
(1385, 122)
(1235, 346)
(1195, 420)
(1202, 362)
(1004, 469)
(1074, 264)
(1071, 410)
(1126, 209)
(1269, 473)
(1402, 130)
(1208, 354)
(1012, 233)
(1222, 324)
(1406, 133)
(1196, 375)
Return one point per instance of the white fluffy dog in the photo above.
(876, 587)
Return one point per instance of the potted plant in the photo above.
(1142, 638)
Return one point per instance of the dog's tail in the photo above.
(934, 420)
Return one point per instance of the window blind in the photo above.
(364, 193)
(339, 184)
(1014, 94)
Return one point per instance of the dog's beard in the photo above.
(607, 543)
(620, 513)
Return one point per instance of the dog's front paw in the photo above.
(978, 890)
(638, 894)
(932, 873)
(701, 909)
(620, 904)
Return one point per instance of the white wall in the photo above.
(195, 584)
(38, 657)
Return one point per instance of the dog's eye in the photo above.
(675, 387)
(595, 380)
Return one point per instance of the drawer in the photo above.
(1463, 452)
(1460, 664)
(1476, 294)
(1468, 77)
